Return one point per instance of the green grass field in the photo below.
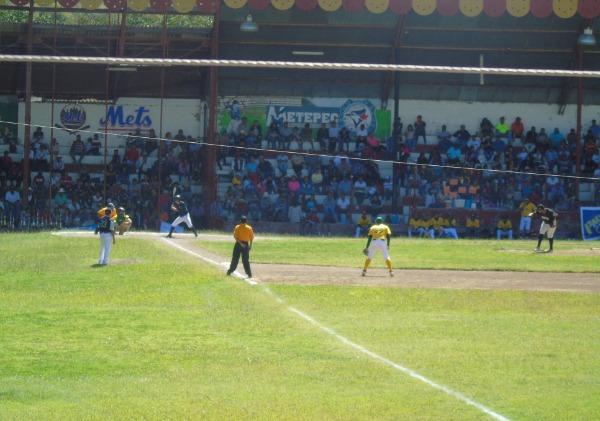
(425, 253)
(161, 335)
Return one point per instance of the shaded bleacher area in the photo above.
(68, 180)
(293, 192)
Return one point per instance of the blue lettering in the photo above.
(114, 116)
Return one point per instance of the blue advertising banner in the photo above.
(590, 223)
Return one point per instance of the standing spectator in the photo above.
(322, 136)
(502, 128)
(444, 138)
(333, 135)
(420, 129)
(517, 129)
(343, 208)
(504, 229)
(526, 208)
(556, 138)
(12, 204)
(595, 129)
(306, 135)
(272, 136)
(285, 135)
(77, 149)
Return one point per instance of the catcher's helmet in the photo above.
(540, 207)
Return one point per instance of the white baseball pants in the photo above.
(105, 245)
(380, 245)
(545, 228)
(185, 218)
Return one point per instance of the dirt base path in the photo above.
(410, 278)
(403, 278)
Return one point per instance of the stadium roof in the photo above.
(341, 36)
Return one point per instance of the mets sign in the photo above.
(72, 119)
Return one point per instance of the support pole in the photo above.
(28, 87)
(579, 122)
(163, 40)
(106, 93)
(51, 169)
(396, 167)
(209, 188)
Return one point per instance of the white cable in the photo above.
(278, 151)
(167, 62)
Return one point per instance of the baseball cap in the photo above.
(379, 219)
(243, 218)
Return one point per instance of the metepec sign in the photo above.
(352, 114)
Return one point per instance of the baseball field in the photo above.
(465, 330)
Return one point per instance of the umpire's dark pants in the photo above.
(237, 251)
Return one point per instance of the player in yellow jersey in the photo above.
(244, 236)
(378, 239)
(113, 212)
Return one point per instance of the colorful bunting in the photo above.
(258, 4)
(565, 8)
(306, 5)
(424, 7)
(589, 9)
(541, 8)
(330, 5)
(471, 8)
(353, 5)
(494, 8)
(401, 7)
(518, 8)
(447, 7)
(377, 6)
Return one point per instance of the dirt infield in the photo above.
(404, 278)
(410, 278)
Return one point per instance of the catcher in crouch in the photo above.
(378, 239)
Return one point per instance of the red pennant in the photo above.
(589, 9)
(541, 8)
(494, 8)
(401, 7)
(447, 7)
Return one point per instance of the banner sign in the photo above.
(351, 115)
(590, 223)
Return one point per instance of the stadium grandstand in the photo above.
(298, 151)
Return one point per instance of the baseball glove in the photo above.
(366, 252)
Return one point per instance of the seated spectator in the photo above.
(297, 163)
(6, 162)
(361, 137)
(504, 229)
(517, 129)
(343, 208)
(472, 224)
(449, 227)
(444, 138)
(58, 165)
(462, 135)
(454, 155)
(363, 224)
(414, 227)
(77, 149)
(502, 128)
(542, 142)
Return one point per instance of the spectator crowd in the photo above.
(307, 177)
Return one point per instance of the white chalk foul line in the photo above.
(208, 260)
(408, 371)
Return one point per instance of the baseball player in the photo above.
(548, 226)
(106, 228)
(111, 207)
(180, 207)
(244, 235)
(123, 221)
(526, 208)
(378, 239)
